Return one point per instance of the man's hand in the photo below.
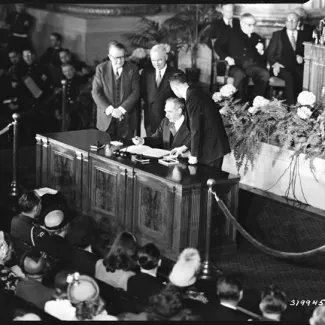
(300, 59)
(260, 48)
(276, 68)
(230, 60)
(117, 113)
(178, 151)
(138, 141)
(109, 110)
(192, 160)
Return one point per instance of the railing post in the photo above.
(64, 104)
(14, 188)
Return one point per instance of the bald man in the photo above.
(285, 54)
(155, 89)
(244, 51)
(305, 28)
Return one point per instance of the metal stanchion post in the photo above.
(208, 271)
(64, 105)
(14, 188)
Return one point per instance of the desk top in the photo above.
(182, 173)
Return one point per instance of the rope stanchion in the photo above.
(257, 244)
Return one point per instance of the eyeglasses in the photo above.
(292, 21)
(116, 58)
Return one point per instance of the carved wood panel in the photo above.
(62, 173)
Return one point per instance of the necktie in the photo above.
(293, 41)
(117, 75)
(230, 22)
(172, 128)
(158, 78)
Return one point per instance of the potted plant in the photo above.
(191, 27)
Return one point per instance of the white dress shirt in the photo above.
(294, 32)
(162, 72)
(228, 21)
(179, 123)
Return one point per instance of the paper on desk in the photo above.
(45, 190)
(147, 151)
(116, 143)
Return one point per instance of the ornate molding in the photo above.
(109, 9)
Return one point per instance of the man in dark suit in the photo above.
(244, 51)
(155, 89)
(173, 132)
(219, 26)
(285, 54)
(116, 92)
(51, 55)
(209, 141)
(302, 26)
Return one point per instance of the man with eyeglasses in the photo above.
(244, 52)
(116, 92)
(155, 88)
(285, 54)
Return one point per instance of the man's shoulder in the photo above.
(130, 66)
(104, 65)
(277, 34)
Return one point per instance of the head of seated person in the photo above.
(29, 56)
(14, 56)
(61, 284)
(65, 56)
(318, 317)
(273, 302)
(34, 264)
(230, 290)
(186, 269)
(83, 293)
(168, 305)
(149, 259)
(30, 204)
(56, 220)
(122, 255)
(56, 40)
(68, 70)
(6, 248)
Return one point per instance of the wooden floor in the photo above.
(276, 224)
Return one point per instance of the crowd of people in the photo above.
(76, 274)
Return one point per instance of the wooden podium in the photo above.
(314, 69)
(161, 204)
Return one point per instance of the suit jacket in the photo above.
(143, 285)
(219, 27)
(280, 49)
(209, 140)
(161, 138)
(236, 44)
(102, 91)
(223, 313)
(307, 30)
(155, 98)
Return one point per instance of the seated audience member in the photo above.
(8, 279)
(31, 288)
(173, 132)
(302, 25)
(318, 317)
(66, 57)
(230, 292)
(244, 51)
(29, 205)
(52, 53)
(83, 293)
(145, 283)
(27, 317)
(285, 54)
(273, 303)
(117, 267)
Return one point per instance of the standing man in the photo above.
(302, 26)
(116, 92)
(209, 141)
(155, 89)
(51, 55)
(244, 51)
(285, 54)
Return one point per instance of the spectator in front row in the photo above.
(119, 264)
(318, 317)
(35, 266)
(273, 303)
(146, 283)
(8, 279)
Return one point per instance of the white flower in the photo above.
(167, 48)
(306, 98)
(260, 101)
(304, 112)
(139, 53)
(223, 111)
(217, 97)
(253, 110)
(227, 90)
(73, 277)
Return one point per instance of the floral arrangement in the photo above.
(300, 128)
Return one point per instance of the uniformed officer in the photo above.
(19, 23)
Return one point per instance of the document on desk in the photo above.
(147, 151)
